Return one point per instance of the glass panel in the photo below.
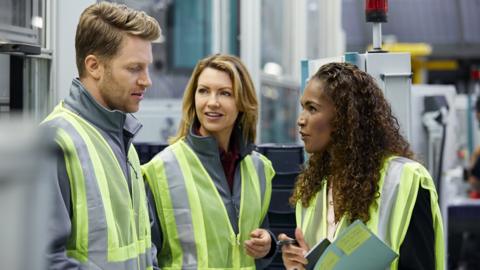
(21, 21)
(4, 83)
(279, 114)
(39, 22)
(14, 12)
(273, 37)
(191, 35)
(186, 27)
(234, 27)
(313, 28)
(37, 97)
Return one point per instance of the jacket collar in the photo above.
(111, 121)
(209, 146)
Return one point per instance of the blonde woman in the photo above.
(211, 191)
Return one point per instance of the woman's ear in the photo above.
(94, 67)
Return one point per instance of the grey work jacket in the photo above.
(118, 129)
(206, 149)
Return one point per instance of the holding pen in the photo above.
(280, 243)
(293, 250)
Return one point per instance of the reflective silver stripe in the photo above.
(180, 203)
(97, 239)
(141, 262)
(146, 259)
(389, 195)
(181, 207)
(126, 265)
(96, 217)
(260, 168)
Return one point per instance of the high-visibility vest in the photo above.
(194, 221)
(390, 214)
(110, 223)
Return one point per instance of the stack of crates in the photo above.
(146, 151)
(287, 161)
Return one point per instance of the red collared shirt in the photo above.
(228, 159)
(229, 163)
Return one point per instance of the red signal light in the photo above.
(376, 10)
(475, 74)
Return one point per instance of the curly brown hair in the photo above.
(365, 132)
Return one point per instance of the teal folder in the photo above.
(355, 248)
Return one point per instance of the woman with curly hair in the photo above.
(360, 167)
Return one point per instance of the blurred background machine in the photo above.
(464, 235)
(287, 160)
(25, 189)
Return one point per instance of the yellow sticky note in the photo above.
(328, 262)
(353, 238)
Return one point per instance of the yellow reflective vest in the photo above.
(110, 226)
(390, 214)
(197, 233)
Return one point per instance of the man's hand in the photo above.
(259, 244)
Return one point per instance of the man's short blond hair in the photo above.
(103, 26)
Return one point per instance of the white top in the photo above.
(331, 224)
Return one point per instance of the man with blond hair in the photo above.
(101, 216)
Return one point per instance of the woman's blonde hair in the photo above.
(243, 91)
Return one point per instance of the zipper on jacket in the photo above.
(237, 239)
(129, 177)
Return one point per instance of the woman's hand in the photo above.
(259, 244)
(294, 256)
